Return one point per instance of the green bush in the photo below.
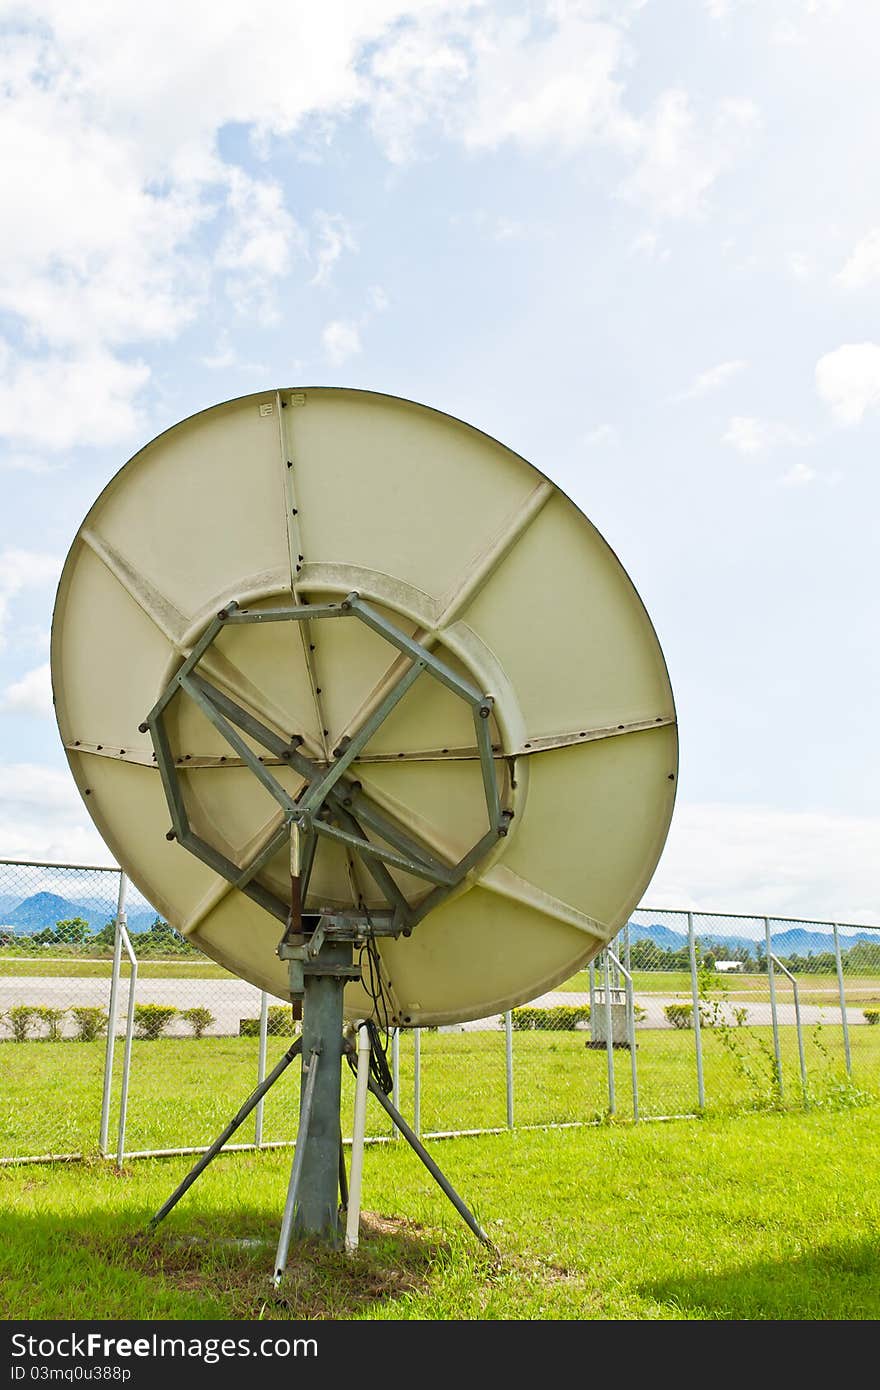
(872, 1016)
(280, 1023)
(564, 1018)
(90, 1022)
(20, 1019)
(151, 1020)
(680, 1015)
(198, 1018)
(52, 1019)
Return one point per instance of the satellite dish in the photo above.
(251, 591)
(394, 693)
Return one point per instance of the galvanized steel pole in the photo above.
(843, 1018)
(307, 1097)
(317, 1205)
(777, 1050)
(508, 1064)
(609, 1035)
(437, 1174)
(111, 1022)
(261, 1065)
(797, 1018)
(417, 1080)
(395, 1074)
(129, 1034)
(695, 996)
(235, 1123)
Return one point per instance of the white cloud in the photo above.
(712, 379)
(377, 299)
(757, 859)
(115, 191)
(798, 475)
(648, 244)
(679, 160)
(108, 127)
(58, 402)
(862, 267)
(602, 436)
(258, 245)
(32, 694)
(333, 236)
(800, 265)
(42, 817)
(20, 570)
(749, 435)
(546, 87)
(848, 380)
(340, 340)
(27, 463)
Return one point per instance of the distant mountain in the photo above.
(46, 909)
(793, 941)
(658, 935)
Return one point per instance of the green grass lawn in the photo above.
(815, 989)
(751, 1217)
(147, 969)
(183, 1091)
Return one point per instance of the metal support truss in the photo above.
(332, 805)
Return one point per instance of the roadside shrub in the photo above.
(280, 1023)
(680, 1015)
(151, 1020)
(52, 1018)
(564, 1018)
(198, 1018)
(90, 1022)
(871, 1015)
(20, 1019)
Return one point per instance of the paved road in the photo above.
(232, 1000)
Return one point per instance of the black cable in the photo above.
(371, 974)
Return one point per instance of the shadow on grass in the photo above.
(214, 1263)
(394, 1258)
(837, 1280)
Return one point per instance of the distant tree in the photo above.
(162, 939)
(73, 931)
(106, 936)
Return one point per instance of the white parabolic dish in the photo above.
(306, 496)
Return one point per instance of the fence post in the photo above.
(261, 1065)
(508, 1059)
(800, 1036)
(609, 1039)
(631, 1035)
(129, 1032)
(395, 1075)
(111, 1022)
(417, 1081)
(777, 1050)
(843, 1018)
(695, 996)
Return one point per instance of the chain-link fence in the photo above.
(683, 1013)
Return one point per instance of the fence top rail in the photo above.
(54, 864)
(761, 917)
(675, 911)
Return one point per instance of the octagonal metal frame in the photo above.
(331, 805)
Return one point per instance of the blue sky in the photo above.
(638, 242)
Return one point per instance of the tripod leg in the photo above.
(343, 1176)
(252, 1101)
(296, 1171)
(439, 1177)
